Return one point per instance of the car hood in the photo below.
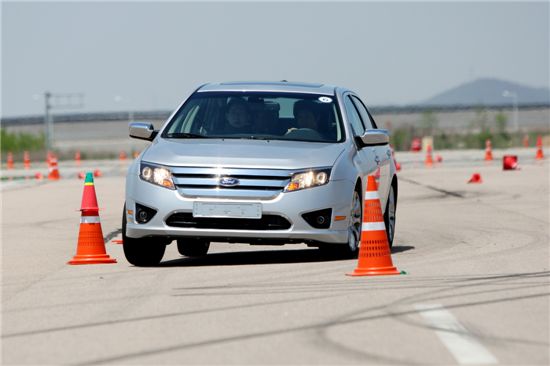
(270, 154)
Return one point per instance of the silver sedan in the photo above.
(258, 163)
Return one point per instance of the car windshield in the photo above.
(263, 116)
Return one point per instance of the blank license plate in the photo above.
(225, 209)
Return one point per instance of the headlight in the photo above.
(157, 175)
(312, 178)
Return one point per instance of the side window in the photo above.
(184, 118)
(190, 118)
(353, 117)
(365, 115)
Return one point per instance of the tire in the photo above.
(193, 247)
(390, 214)
(142, 252)
(351, 248)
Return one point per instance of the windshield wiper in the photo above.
(175, 135)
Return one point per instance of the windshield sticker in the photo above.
(325, 99)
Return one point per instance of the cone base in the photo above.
(381, 271)
(91, 259)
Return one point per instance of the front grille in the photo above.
(262, 184)
(267, 222)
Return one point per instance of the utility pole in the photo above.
(48, 125)
(58, 101)
(514, 97)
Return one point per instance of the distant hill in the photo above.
(489, 92)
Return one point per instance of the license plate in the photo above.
(226, 209)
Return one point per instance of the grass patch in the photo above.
(16, 142)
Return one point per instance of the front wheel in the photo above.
(356, 220)
(142, 252)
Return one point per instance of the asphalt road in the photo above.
(476, 290)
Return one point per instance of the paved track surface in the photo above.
(477, 289)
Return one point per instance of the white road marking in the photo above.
(465, 348)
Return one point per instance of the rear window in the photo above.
(269, 116)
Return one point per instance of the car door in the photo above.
(366, 158)
(382, 153)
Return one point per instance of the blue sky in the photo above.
(151, 55)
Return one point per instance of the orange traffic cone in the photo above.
(488, 150)
(122, 155)
(526, 140)
(49, 156)
(91, 247)
(77, 157)
(476, 178)
(429, 162)
(26, 160)
(374, 251)
(135, 154)
(53, 171)
(540, 154)
(397, 165)
(9, 160)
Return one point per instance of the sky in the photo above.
(148, 55)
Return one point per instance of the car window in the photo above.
(257, 115)
(353, 117)
(364, 113)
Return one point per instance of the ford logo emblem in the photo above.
(228, 181)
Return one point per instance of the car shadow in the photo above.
(275, 256)
(238, 258)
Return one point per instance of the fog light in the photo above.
(319, 219)
(144, 214)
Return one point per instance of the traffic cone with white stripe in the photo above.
(91, 247)
(54, 171)
(488, 150)
(374, 250)
(77, 157)
(540, 154)
(9, 160)
(26, 160)
(429, 161)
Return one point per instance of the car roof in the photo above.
(269, 86)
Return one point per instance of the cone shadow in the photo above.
(401, 248)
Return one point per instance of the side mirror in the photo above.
(374, 138)
(142, 131)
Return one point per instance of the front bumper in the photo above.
(336, 195)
